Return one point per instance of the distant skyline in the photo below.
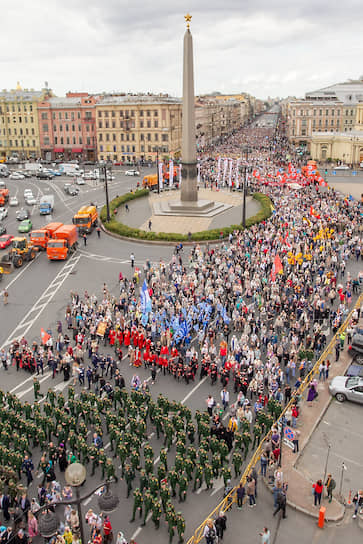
(264, 48)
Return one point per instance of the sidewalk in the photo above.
(299, 495)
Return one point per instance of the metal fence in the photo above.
(231, 498)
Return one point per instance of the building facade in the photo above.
(19, 127)
(329, 110)
(67, 127)
(133, 128)
(346, 147)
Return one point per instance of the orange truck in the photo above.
(40, 237)
(86, 219)
(63, 243)
(4, 194)
(150, 181)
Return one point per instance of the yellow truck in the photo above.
(86, 219)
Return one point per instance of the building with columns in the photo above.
(135, 127)
(19, 128)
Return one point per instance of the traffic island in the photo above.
(139, 216)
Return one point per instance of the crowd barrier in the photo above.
(231, 498)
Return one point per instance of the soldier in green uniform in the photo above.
(149, 465)
(189, 468)
(164, 495)
(226, 474)
(148, 501)
(246, 438)
(154, 485)
(135, 459)
(36, 387)
(164, 458)
(110, 470)
(171, 521)
(156, 512)
(129, 477)
(237, 461)
(216, 464)
(138, 500)
(223, 450)
(191, 431)
(198, 476)
(148, 451)
(257, 432)
(192, 453)
(144, 480)
(180, 527)
(93, 457)
(179, 463)
(208, 475)
(121, 451)
(161, 472)
(183, 485)
(173, 480)
(51, 397)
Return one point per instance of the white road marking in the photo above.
(138, 531)
(22, 393)
(194, 389)
(34, 313)
(21, 272)
(87, 501)
(218, 487)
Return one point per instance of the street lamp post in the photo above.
(103, 168)
(75, 476)
(326, 464)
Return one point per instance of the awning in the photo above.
(58, 149)
(76, 150)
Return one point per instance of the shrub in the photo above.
(116, 227)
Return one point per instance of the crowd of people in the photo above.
(251, 315)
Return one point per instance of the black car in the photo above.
(73, 190)
(2, 229)
(44, 175)
(22, 214)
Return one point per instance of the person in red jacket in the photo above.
(318, 490)
(107, 530)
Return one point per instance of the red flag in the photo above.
(276, 267)
(44, 336)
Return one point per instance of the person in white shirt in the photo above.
(225, 398)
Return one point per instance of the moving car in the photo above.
(80, 181)
(22, 214)
(30, 200)
(2, 229)
(347, 388)
(25, 226)
(28, 192)
(16, 175)
(132, 173)
(44, 175)
(3, 213)
(5, 240)
(13, 201)
(72, 190)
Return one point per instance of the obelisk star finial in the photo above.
(188, 18)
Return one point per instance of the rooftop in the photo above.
(135, 99)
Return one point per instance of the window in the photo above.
(113, 113)
(148, 113)
(142, 148)
(45, 127)
(165, 137)
(122, 137)
(55, 128)
(114, 148)
(141, 113)
(114, 137)
(66, 115)
(314, 123)
(148, 124)
(106, 124)
(132, 113)
(156, 137)
(142, 137)
(44, 116)
(123, 148)
(326, 122)
(88, 141)
(60, 115)
(72, 115)
(155, 113)
(33, 132)
(141, 124)
(163, 115)
(67, 128)
(88, 115)
(156, 124)
(55, 140)
(107, 137)
(79, 128)
(68, 142)
(301, 112)
(100, 114)
(127, 137)
(149, 137)
(332, 112)
(113, 124)
(62, 140)
(133, 149)
(133, 137)
(320, 112)
(99, 124)
(61, 128)
(332, 122)
(338, 113)
(314, 112)
(73, 128)
(53, 115)
(100, 137)
(101, 149)
(106, 113)
(128, 148)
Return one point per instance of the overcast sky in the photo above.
(264, 47)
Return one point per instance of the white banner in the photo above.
(198, 175)
(219, 171)
(230, 172)
(225, 171)
(180, 176)
(237, 173)
(160, 176)
(171, 173)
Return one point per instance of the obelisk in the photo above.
(189, 191)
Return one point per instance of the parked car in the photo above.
(13, 201)
(25, 173)
(2, 228)
(22, 214)
(25, 226)
(342, 167)
(3, 213)
(28, 192)
(80, 181)
(132, 173)
(16, 175)
(5, 240)
(347, 388)
(356, 345)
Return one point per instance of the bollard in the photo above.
(321, 517)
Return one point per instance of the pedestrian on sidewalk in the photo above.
(221, 524)
(241, 492)
(5, 297)
(318, 490)
(265, 536)
(358, 502)
(330, 485)
(281, 504)
(85, 239)
(132, 260)
(98, 229)
(251, 491)
(295, 441)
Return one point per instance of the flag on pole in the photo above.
(230, 173)
(277, 268)
(225, 171)
(145, 298)
(171, 173)
(44, 336)
(198, 175)
(160, 175)
(219, 171)
(180, 176)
